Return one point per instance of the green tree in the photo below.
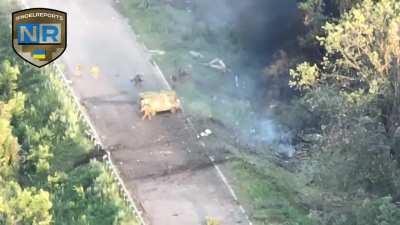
(362, 56)
(8, 78)
(315, 13)
(90, 196)
(8, 143)
(355, 94)
(25, 207)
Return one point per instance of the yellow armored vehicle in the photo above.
(153, 102)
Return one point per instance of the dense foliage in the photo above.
(42, 144)
(352, 94)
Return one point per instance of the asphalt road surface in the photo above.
(160, 161)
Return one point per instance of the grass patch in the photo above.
(271, 194)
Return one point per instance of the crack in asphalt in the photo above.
(151, 145)
(192, 167)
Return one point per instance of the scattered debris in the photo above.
(212, 221)
(166, 152)
(137, 79)
(160, 139)
(272, 106)
(236, 81)
(157, 52)
(182, 73)
(206, 133)
(218, 64)
(285, 151)
(174, 78)
(196, 55)
(312, 138)
(95, 71)
(78, 70)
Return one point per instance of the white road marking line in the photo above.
(223, 178)
(230, 188)
(219, 172)
(164, 80)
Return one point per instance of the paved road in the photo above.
(160, 160)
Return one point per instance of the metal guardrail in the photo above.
(95, 138)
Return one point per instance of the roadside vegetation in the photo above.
(44, 178)
(342, 75)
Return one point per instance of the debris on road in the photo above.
(166, 152)
(212, 221)
(160, 139)
(78, 70)
(156, 52)
(196, 55)
(95, 72)
(206, 133)
(137, 79)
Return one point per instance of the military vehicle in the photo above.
(152, 103)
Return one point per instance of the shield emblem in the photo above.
(39, 35)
